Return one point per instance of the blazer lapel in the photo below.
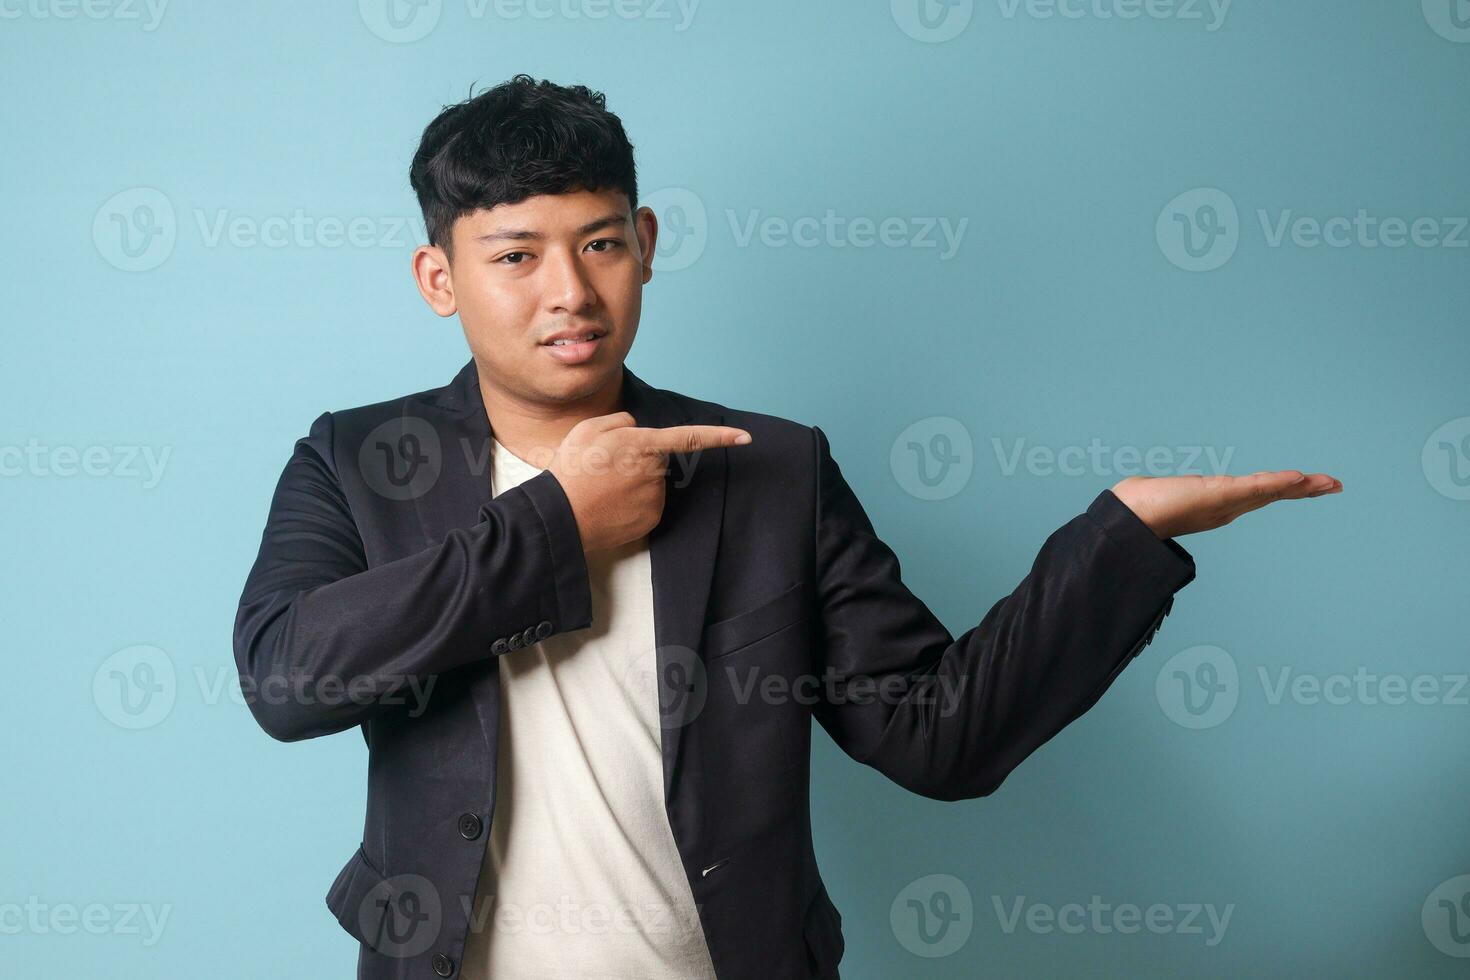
(682, 546)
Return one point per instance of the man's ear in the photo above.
(436, 285)
(645, 223)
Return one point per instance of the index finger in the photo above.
(690, 438)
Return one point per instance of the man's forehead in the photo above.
(548, 214)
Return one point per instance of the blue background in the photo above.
(1060, 319)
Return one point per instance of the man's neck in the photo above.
(533, 430)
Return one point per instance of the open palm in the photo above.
(1176, 505)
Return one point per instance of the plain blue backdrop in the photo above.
(1207, 237)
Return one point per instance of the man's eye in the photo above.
(511, 255)
(611, 243)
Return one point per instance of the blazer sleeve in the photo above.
(950, 718)
(322, 642)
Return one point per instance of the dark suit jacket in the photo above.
(388, 580)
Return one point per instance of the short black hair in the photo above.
(521, 138)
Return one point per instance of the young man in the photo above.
(584, 623)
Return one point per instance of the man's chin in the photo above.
(574, 382)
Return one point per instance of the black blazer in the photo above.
(388, 580)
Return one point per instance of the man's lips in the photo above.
(572, 348)
(574, 333)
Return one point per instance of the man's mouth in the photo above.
(575, 347)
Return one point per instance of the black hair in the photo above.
(514, 141)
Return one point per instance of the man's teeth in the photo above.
(564, 342)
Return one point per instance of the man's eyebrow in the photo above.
(521, 234)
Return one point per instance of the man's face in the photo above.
(550, 265)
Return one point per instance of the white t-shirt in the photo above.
(580, 860)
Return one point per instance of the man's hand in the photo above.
(613, 473)
(1175, 505)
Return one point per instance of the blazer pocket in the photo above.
(741, 630)
(398, 916)
(353, 893)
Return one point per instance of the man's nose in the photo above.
(568, 287)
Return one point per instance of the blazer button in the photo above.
(544, 629)
(529, 636)
(499, 646)
(469, 826)
(442, 965)
(514, 641)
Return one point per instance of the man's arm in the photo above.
(960, 714)
(312, 610)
